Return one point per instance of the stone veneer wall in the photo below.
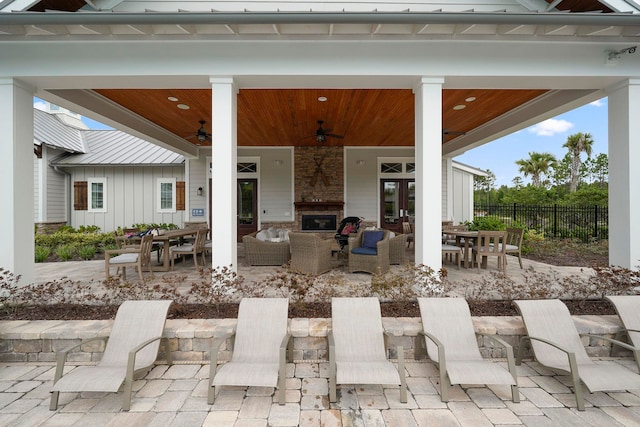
(191, 339)
(305, 167)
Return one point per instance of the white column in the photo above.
(224, 204)
(16, 179)
(624, 174)
(428, 234)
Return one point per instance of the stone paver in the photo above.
(176, 396)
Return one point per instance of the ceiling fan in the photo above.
(322, 134)
(202, 135)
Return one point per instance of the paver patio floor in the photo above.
(176, 396)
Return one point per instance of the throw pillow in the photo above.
(371, 238)
(348, 229)
(263, 235)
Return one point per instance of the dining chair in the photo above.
(196, 248)
(491, 244)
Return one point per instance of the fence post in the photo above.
(515, 210)
(595, 222)
(555, 220)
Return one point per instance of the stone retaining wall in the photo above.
(190, 339)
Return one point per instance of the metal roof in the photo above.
(117, 148)
(98, 147)
(50, 130)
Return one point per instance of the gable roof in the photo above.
(50, 130)
(86, 147)
(117, 148)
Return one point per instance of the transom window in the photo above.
(399, 167)
(247, 167)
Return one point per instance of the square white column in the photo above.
(16, 179)
(624, 174)
(428, 119)
(224, 152)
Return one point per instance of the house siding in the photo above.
(275, 183)
(131, 196)
(197, 177)
(37, 212)
(463, 196)
(361, 181)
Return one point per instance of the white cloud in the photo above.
(551, 127)
(597, 103)
(39, 105)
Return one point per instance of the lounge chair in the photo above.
(628, 309)
(132, 347)
(449, 339)
(358, 346)
(260, 345)
(556, 344)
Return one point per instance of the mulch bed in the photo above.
(309, 310)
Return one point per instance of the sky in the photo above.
(546, 137)
(500, 156)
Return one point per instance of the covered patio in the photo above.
(256, 79)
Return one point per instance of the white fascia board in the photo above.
(469, 169)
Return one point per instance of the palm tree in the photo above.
(577, 144)
(537, 164)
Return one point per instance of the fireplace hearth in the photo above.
(318, 223)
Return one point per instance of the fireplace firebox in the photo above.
(319, 223)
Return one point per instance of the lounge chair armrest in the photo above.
(441, 351)
(508, 348)
(125, 250)
(285, 348)
(570, 354)
(634, 350)
(61, 357)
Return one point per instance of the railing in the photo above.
(581, 222)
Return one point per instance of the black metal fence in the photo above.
(581, 222)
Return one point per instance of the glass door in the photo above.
(247, 207)
(398, 203)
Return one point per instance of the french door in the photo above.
(247, 207)
(397, 197)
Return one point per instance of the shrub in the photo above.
(88, 229)
(486, 223)
(66, 252)
(42, 253)
(87, 251)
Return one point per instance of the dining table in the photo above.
(464, 239)
(166, 238)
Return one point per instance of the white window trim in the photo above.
(90, 182)
(161, 181)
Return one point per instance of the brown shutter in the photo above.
(180, 196)
(80, 196)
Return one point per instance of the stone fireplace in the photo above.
(318, 223)
(319, 191)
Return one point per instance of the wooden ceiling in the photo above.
(288, 117)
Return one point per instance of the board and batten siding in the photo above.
(462, 197)
(37, 211)
(131, 196)
(197, 177)
(362, 186)
(275, 182)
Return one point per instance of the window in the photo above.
(166, 194)
(97, 194)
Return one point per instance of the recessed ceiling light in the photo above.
(322, 98)
(460, 107)
(183, 106)
(470, 99)
(172, 98)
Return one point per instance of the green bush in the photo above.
(486, 223)
(163, 226)
(66, 252)
(42, 253)
(87, 251)
(88, 229)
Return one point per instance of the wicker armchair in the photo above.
(375, 263)
(258, 252)
(310, 254)
(397, 249)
